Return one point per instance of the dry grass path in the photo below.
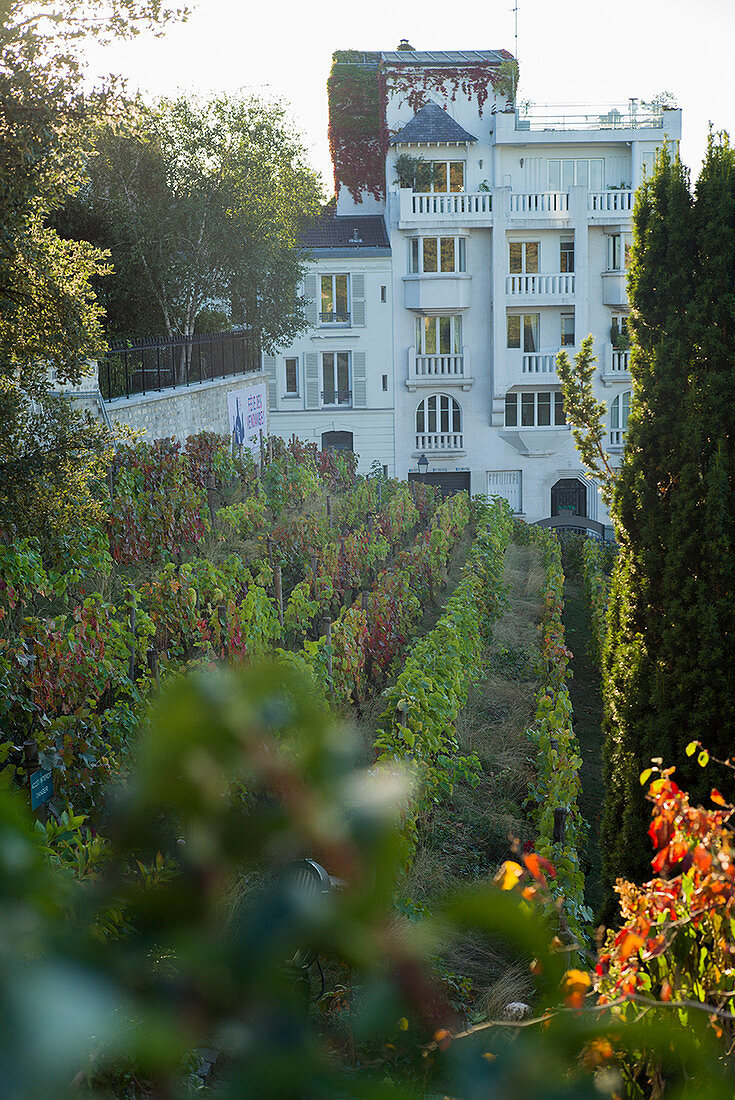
(471, 833)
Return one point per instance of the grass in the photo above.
(473, 832)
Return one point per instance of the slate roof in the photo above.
(443, 57)
(431, 125)
(346, 231)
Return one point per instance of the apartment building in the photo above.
(439, 305)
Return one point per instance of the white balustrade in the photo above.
(620, 363)
(473, 208)
(603, 203)
(617, 437)
(541, 362)
(615, 364)
(439, 441)
(445, 203)
(439, 366)
(546, 204)
(534, 285)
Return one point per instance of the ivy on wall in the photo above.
(357, 91)
(358, 136)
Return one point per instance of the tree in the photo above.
(668, 666)
(49, 319)
(206, 199)
(586, 414)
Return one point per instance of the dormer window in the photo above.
(447, 175)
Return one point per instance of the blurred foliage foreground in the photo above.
(123, 958)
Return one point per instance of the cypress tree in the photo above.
(669, 668)
(660, 287)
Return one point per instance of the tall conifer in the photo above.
(669, 663)
(660, 287)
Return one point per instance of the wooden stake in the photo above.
(279, 594)
(132, 652)
(327, 630)
(211, 490)
(560, 825)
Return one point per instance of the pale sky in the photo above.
(570, 52)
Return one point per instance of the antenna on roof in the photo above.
(515, 11)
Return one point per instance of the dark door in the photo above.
(569, 498)
(453, 481)
(338, 441)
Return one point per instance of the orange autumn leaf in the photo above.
(666, 991)
(629, 944)
(537, 865)
(575, 984)
(717, 797)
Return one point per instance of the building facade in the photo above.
(438, 309)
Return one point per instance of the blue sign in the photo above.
(42, 787)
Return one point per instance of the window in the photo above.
(567, 330)
(619, 411)
(618, 252)
(436, 254)
(535, 409)
(439, 413)
(619, 335)
(336, 377)
(447, 175)
(523, 257)
(564, 174)
(383, 294)
(566, 257)
(292, 377)
(335, 300)
(385, 383)
(526, 323)
(337, 441)
(439, 335)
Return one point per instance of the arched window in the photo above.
(619, 418)
(338, 441)
(439, 423)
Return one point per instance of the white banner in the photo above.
(248, 411)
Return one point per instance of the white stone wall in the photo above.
(373, 432)
(183, 410)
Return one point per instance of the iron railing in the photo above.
(160, 363)
(337, 397)
(336, 317)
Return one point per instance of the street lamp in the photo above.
(423, 465)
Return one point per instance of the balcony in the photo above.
(540, 204)
(617, 439)
(553, 289)
(334, 318)
(610, 206)
(615, 365)
(614, 292)
(633, 116)
(448, 443)
(337, 399)
(454, 208)
(543, 363)
(434, 294)
(446, 370)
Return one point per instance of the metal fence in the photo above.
(159, 364)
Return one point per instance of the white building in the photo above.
(438, 337)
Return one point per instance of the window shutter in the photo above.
(311, 373)
(310, 295)
(358, 299)
(359, 380)
(270, 363)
